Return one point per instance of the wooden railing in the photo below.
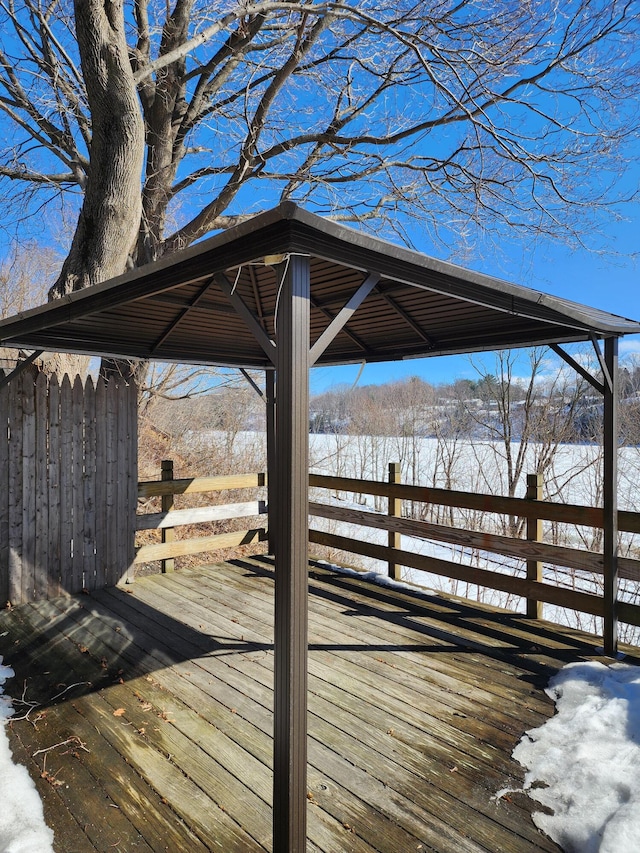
(169, 518)
(530, 550)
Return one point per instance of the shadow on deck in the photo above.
(147, 714)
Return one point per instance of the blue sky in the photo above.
(607, 280)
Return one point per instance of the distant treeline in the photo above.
(496, 405)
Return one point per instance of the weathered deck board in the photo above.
(44, 647)
(351, 746)
(414, 707)
(368, 653)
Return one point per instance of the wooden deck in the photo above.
(150, 723)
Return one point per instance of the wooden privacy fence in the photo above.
(169, 518)
(531, 550)
(68, 469)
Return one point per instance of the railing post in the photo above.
(395, 509)
(168, 533)
(534, 534)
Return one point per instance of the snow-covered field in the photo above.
(575, 476)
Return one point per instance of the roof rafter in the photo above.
(173, 325)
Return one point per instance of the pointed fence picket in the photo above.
(68, 485)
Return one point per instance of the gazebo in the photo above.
(288, 290)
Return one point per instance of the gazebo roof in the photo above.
(217, 302)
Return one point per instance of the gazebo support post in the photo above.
(272, 469)
(290, 512)
(610, 502)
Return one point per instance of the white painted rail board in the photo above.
(196, 515)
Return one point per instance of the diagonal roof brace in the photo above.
(342, 318)
(17, 370)
(253, 384)
(351, 335)
(578, 367)
(183, 313)
(608, 379)
(256, 329)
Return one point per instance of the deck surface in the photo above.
(150, 716)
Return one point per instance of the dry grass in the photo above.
(180, 431)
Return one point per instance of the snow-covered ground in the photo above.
(22, 826)
(583, 765)
(574, 476)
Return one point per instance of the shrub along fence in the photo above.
(68, 485)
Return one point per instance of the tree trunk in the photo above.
(110, 216)
(164, 104)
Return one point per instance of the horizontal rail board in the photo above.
(199, 515)
(505, 545)
(629, 613)
(195, 485)
(198, 545)
(628, 522)
(582, 601)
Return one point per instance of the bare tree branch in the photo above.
(468, 117)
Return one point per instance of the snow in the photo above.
(479, 467)
(22, 826)
(583, 765)
(376, 577)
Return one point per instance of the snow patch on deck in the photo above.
(22, 826)
(583, 765)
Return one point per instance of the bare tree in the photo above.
(26, 272)
(152, 124)
(522, 421)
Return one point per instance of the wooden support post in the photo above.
(395, 509)
(168, 533)
(290, 515)
(534, 534)
(610, 476)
